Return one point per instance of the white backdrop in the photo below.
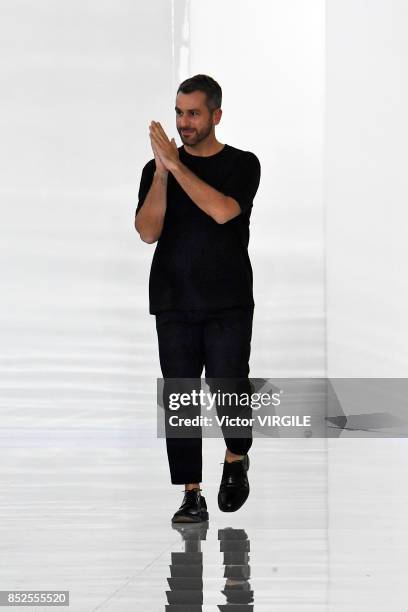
(366, 188)
(81, 83)
(77, 97)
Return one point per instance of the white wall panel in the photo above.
(367, 188)
(269, 59)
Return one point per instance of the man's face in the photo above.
(193, 119)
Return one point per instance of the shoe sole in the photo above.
(203, 516)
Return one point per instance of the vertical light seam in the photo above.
(188, 37)
(173, 60)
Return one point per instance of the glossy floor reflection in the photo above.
(186, 582)
(324, 528)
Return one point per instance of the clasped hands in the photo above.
(164, 149)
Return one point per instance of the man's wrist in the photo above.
(161, 175)
(175, 167)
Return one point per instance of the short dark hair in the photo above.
(203, 82)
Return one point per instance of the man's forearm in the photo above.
(220, 207)
(150, 218)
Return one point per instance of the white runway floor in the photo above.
(87, 509)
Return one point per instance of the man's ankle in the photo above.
(192, 486)
(229, 456)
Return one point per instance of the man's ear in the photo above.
(217, 116)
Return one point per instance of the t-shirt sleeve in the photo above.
(145, 183)
(243, 182)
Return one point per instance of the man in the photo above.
(195, 201)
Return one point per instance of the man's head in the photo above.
(198, 108)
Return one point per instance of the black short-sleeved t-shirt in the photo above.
(199, 264)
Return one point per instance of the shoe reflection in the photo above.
(186, 570)
(235, 545)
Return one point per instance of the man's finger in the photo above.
(162, 132)
(158, 135)
(157, 143)
(154, 134)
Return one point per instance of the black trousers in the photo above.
(189, 340)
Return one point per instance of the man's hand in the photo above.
(166, 149)
(160, 167)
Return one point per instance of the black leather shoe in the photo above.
(193, 509)
(234, 487)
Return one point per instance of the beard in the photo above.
(196, 136)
